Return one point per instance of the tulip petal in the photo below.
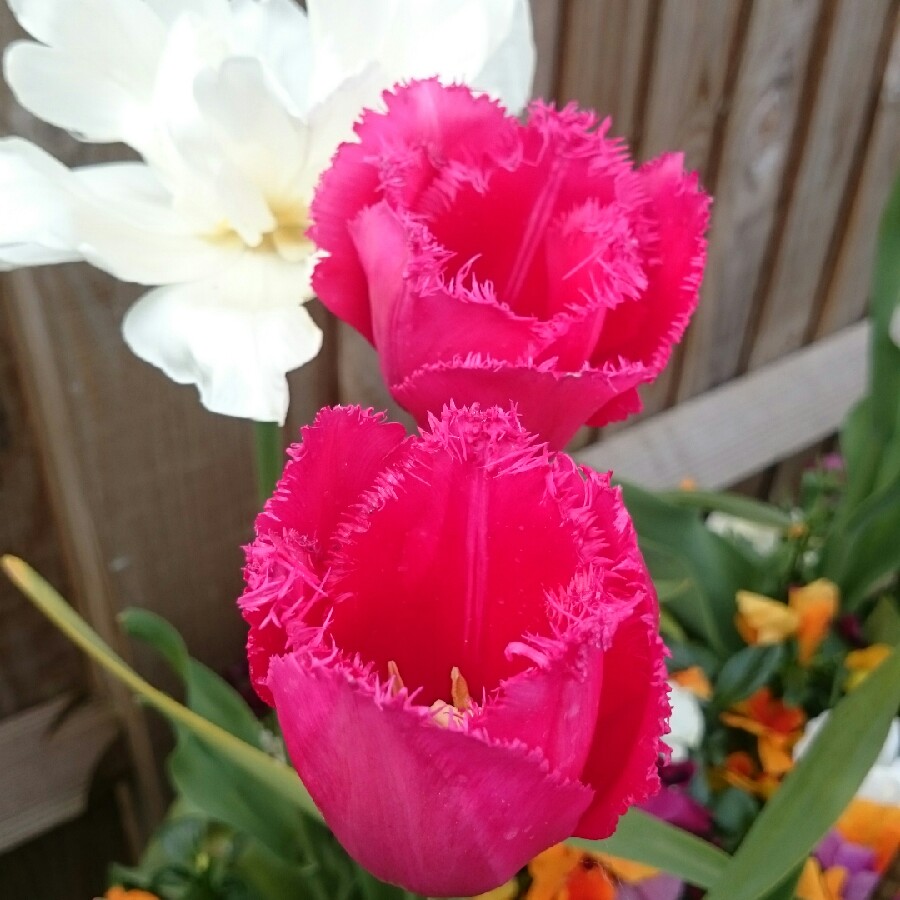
(634, 701)
(550, 403)
(679, 213)
(409, 799)
(337, 459)
(431, 552)
(214, 333)
(416, 316)
(429, 126)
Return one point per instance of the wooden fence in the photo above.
(121, 489)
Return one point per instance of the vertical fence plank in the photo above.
(694, 53)
(757, 141)
(603, 49)
(836, 126)
(687, 85)
(547, 18)
(847, 293)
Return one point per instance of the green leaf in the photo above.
(816, 791)
(246, 757)
(733, 504)
(883, 623)
(866, 549)
(786, 889)
(747, 671)
(642, 838)
(677, 546)
(207, 694)
(230, 795)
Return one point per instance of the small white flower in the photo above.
(236, 108)
(685, 723)
(763, 538)
(894, 327)
(882, 783)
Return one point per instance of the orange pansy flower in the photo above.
(776, 725)
(741, 771)
(818, 884)
(807, 616)
(566, 873)
(872, 825)
(861, 662)
(117, 892)
(694, 680)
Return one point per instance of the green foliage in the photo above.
(679, 549)
(817, 789)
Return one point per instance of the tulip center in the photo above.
(455, 572)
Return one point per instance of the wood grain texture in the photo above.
(687, 83)
(603, 52)
(835, 130)
(547, 18)
(687, 104)
(756, 144)
(36, 661)
(846, 294)
(740, 428)
(49, 756)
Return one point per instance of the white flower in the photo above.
(685, 723)
(882, 783)
(236, 108)
(762, 538)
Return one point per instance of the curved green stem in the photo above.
(252, 760)
(269, 458)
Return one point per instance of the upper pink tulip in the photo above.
(459, 636)
(492, 261)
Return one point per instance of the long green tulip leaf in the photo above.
(642, 838)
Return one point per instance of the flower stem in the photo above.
(269, 458)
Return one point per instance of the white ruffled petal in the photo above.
(59, 88)
(96, 73)
(276, 33)
(113, 216)
(235, 336)
(484, 43)
(509, 71)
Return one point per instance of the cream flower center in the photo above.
(286, 238)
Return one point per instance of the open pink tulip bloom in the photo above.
(459, 636)
(489, 260)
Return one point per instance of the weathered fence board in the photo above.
(742, 427)
(757, 144)
(836, 128)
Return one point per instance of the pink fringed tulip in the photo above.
(459, 636)
(491, 261)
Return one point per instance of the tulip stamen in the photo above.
(459, 691)
(396, 682)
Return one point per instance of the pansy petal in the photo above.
(214, 333)
(550, 403)
(404, 795)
